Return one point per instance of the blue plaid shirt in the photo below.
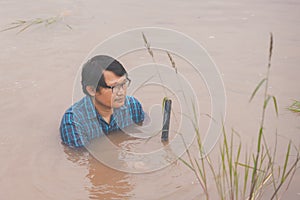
(82, 123)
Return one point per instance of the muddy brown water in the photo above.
(38, 68)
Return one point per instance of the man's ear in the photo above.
(91, 90)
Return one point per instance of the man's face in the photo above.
(108, 97)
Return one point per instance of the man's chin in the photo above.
(118, 104)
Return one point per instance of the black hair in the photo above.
(92, 71)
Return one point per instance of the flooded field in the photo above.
(39, 66)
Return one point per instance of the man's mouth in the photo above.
(120, 100)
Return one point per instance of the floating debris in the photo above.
(25, 24)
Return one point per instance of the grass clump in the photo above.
(237, 175)
(234, 178)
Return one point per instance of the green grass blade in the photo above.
(246, 174)
(259, 139)
(19, 22)
(293, 168)
(236, 174)
(270, 49)
(10, 28)
(38, 21)
(275, 105)
(187, 164)
(26, 27)
(290, 171)
(238, 155)
(257, 87)
(70, 27)
(254, 178)
(50, 21)
(144, 38)
(295, 107)
(286, 162)
(147, 45)
(201, 172)
(267, 101)
(172, 61)
(248, 166)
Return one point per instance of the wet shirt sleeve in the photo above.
(71, 131)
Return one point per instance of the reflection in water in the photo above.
(106, 183)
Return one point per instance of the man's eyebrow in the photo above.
(118, 81)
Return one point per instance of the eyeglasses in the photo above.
(116, 88)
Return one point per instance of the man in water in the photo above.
(105, 108)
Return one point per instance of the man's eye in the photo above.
(121, 84)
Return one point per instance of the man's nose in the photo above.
(121, 91)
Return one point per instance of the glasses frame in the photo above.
(127, 83)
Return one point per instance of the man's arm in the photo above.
(71, 131)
